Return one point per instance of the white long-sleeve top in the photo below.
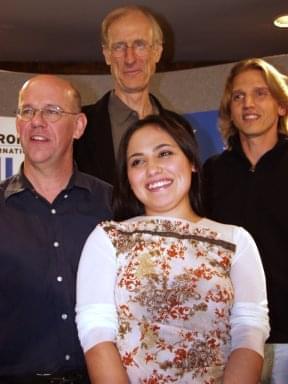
(202, 277)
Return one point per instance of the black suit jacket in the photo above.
(94, 151)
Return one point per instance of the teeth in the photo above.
(39, 138)
(159, 184)
(250, 117)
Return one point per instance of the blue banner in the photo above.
(207, 133)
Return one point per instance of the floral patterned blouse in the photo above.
(168, 295)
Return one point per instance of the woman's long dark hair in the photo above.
(125, 203)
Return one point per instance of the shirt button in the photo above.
(53, 211)
(56, 244)
(67, 357)
(64, 316)
(65, 196)
(59, 278)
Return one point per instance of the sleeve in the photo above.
(249, 317)
(96, 315)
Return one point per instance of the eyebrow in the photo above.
(126, 42)
(154, 150)
(256, 87)
(45, 106)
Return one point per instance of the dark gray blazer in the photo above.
(94, 151)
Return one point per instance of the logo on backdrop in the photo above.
(207, 133)
(11, 154)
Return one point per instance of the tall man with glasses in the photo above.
(46, 213)
(132, 43)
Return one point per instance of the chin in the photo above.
(135, 89)
(134, 86)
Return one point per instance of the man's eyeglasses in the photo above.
(140, 48)
(51, 113)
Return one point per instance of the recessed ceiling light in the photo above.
(281, 21)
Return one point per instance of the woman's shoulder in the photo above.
(229, 232)
(128, 225)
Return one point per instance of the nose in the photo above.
(37, 118)
(248, 100)
(153, 168)
(130, 55)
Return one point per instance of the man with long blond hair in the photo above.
(247, 185)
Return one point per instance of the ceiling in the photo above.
(197, 32)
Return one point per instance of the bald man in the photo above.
(47, 211)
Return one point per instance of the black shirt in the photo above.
(40, 246)
(256, 198)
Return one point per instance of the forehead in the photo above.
(249, 79)
(131, 26)
(40, 92)
(149, 137)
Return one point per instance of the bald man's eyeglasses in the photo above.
(49, 113)
(140, 48)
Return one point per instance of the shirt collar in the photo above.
(234, 144)
(121, 112)
(20, 183)
(234, 141)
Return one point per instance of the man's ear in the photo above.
(80, 125)
(107, 54)
(17, 128)
(158, 49)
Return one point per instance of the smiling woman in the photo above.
(160, 294)
(158, 151)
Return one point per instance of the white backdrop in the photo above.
(194, 92)
(11, 153)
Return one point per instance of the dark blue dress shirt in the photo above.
(40, 246)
